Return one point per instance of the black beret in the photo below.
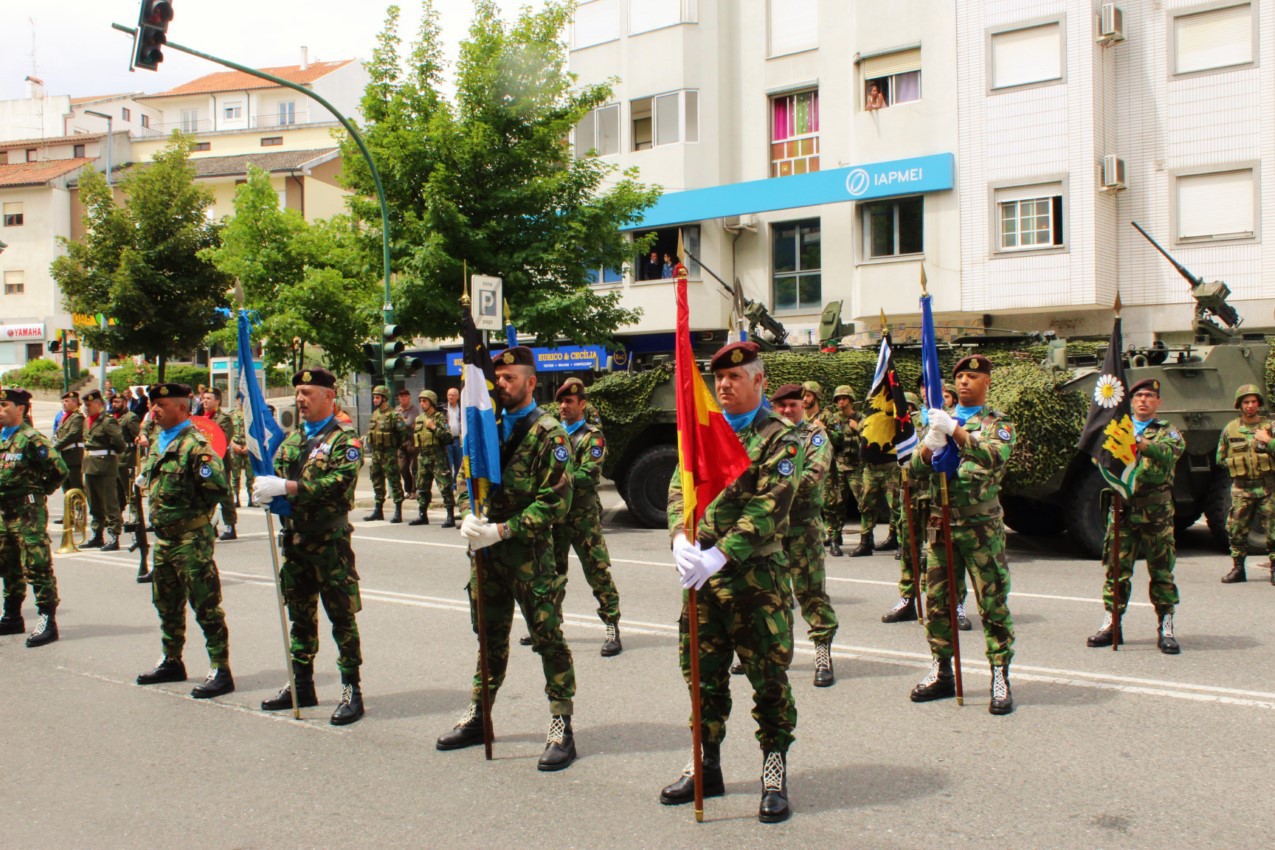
(570, 387)
(735, 354)
(72, 394)
(314, 378)
(16, 395)
(1152, 384)
(973, 363)
(788, 392)
(168, 391)
(92, 395)
(519, 355)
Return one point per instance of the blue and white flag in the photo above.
(947, 459)
(262, 434)
(479, 428)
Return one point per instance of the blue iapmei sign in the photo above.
(900, 177)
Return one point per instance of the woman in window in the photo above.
(876, 100)
(667, 270)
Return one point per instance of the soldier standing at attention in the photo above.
(185, 481)
(241, 461)
(805, 529)
(909, 572)
(130, 427)
(212, 410)
(407, 450)
(812, 401)
(737, 562)
(985, 441)
(582, 528)
(317, 469)
(880, 494)
(385, 433)
(1245, 450)
(103, 442)
(535, 494)
(432, 437)
(30, 470)
(849, 465)
(68, 439)
(1146, 523)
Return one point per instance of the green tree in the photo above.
(490, 180)
(140, 263)
(308, 281)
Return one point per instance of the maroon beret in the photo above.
(735, 354)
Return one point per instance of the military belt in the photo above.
(990, 509)
(316, 527)
(177, 529)
(70, 446)
(1159, 497)
(12, 504)
(99, 452)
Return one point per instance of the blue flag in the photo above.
(262, 434)
(948, 458)
(479, 428)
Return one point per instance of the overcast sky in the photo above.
(77, 53)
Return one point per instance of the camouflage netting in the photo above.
(624, 401)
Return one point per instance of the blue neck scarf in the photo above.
(166, 437)
(312, 428)
(964, 413)
(1140, 426)
(574, 426)
(739, 422)
(513, 417)
(6, 433)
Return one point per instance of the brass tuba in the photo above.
(75, 521)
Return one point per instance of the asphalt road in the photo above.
(1125, 749)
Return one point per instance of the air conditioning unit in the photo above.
(1113, 178)
(1110, 24)
(736, 223)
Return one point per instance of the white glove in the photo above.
(941, 421)
(934, 440)
(266, 487)
(479, 532)
(140, 481)
(685, 554)
(706, 563)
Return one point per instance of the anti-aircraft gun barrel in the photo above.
(1209, 297)
(1182, 270)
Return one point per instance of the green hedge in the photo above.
(38, 375)
(181, 373)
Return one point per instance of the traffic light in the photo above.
(55, 346)
(372, 358)
(395, 360)
(152, 29)
(72, 346)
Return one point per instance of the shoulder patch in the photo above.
(785, 467)
(352, 453)
(205, 471)
(596, 452)
(42, 451)
(792, 450)
(817, 440)
(1175, 435)
(560, 452)
(1003, 433)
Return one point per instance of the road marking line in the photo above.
(1012, 593)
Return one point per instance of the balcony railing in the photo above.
(269, 121)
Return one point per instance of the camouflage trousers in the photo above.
(851, 487)
(184, 571)
(914, 523)
(744, 609)
(583, 532)
(879, 494)
(834, 505)
(317, 569)
(229, 515)
(525, 573)
(1251, 500)
(435, 468)
(808, 579)
(979, 549)
(383, 467)
(1148, 534)
(241, 470)
(104, 502)
(25, 556)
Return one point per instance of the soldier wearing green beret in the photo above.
(186, 481)
(432, 437)
(103, 442)
(30, 470)
(385, 433)
(1245, 449)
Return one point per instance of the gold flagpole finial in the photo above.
(505, 301)
(885, 327)
(1116, 306)
(464, 283)
(923, 280)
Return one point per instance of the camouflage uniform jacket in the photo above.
(386, 430)
(29, 466)
(69, 438)
(847, 452)
(816, 455)
(433, 443)
(749, 518)
(535, 487)
(974, 491)
(589, 451)
(326, 469)
(834, 425)
(227, 425)
(1240, 452)
(104, 435)
(1156, 462)
(130, 427)
(240, 435)
(185, 482)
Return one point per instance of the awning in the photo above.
(913, 176)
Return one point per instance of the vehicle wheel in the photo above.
(1033, 518)
(646, 486)
(1086, 512)
(1185, 518)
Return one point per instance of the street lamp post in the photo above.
(103, 356)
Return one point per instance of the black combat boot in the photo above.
(350, 707)
(891, 543)
(1237, 573)
(904, 611)
(939, 683)
(376, 514)
(467, 732)
(12, 623)
(824, 676)
(1168, 643)
(46, 628)
(560, 744)
(612, 646)
(94, 542)
(865, 547)
(423, 519)
(774, 789)
(683, 790)
(303, 674)
(450, 522)
(112, 543)
(1105, 634)
(834, 549)
(167, 670)
(228, 534)
(1002, 700)
(962, 622)
(398, 513)
(147, 577)
(525, 640)
(218, 682)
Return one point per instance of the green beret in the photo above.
(321, 378)
(519, 355)
(974, 363)
(16, 395)
(92, 395)
(169, 390)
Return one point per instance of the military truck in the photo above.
(1044, 385)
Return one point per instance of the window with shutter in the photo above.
(794, 25)
(1217, 205)
(1219, 38)
(1025, 56)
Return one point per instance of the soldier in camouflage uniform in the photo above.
(186, 481)
(912, 527)
(805, 529)
(30, 470)
(213, 410)
(984, 440)
(812, 401)
(849, 466)
(1146, 521)
(582, 528)
(241, 461)
(385, 433)
(431, 439)
(518, 564)
(1245, 449)
(130, 427)
(103, 442)
(317, 469)
(68, 439)
(737, 563)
